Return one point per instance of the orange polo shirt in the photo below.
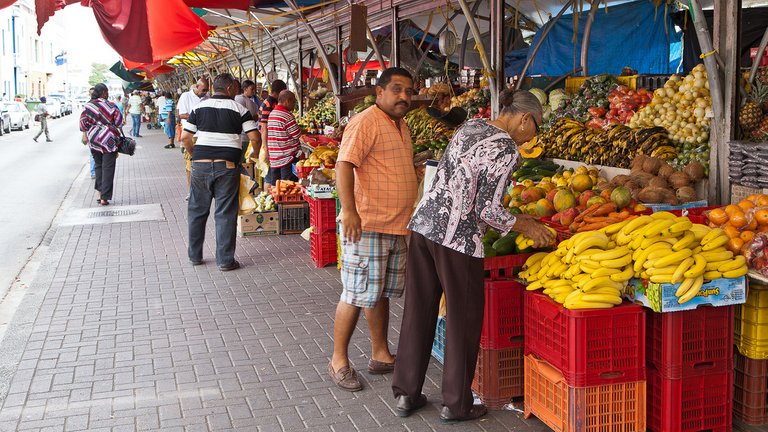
(385, 179)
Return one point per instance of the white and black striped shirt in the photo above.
(217, 123)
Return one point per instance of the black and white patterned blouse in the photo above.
(468, 188)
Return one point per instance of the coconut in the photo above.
(642, 178)
(686, 194)
(666, 170)
(694, 170)
(669, 197)
(658, 182)
(637, 162)
(651, 195)
(620, 180)
(651, 165)
(679, 179)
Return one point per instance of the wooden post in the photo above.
(727, 33)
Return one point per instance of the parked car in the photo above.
(66, 107)
(19, 115)
(5, 120)
(54, 106)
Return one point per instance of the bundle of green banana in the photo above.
(591, 269)
(426, 132)
(324, 110)
(616, 146)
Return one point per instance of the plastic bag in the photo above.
(247, 203)
(263, 163)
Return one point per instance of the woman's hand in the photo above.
(535, 230)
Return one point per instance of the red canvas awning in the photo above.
(147, 31)
(44, 9)
(219, 4)
(5, 3)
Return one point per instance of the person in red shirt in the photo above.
(283, 138)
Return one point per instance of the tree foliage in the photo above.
(99, 73)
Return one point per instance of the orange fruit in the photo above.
(718, 216)
(732, 209)
(731, 230)
(747, 236)
(746, 205)
(753, 197)
(752, 225)
(763, 228)
(761, 216)
(735, 244)
(761, 201)
(738, 220)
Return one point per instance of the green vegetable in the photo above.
(506, 244)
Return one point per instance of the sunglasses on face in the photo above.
(535, 123)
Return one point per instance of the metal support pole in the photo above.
(585, 38)
(237, 58)
(465, 36)
(318, 45)
(394, 56)
(497, 52)
(540, 41)
(492, 84)
(300, 88)
(340, 70)
(759, 57)
(372, 40)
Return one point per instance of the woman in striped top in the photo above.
(100, 123)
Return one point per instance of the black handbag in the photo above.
(126, 145)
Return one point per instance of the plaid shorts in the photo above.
(372, 268)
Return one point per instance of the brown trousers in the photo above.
(432, 270)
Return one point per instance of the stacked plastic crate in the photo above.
(585, 369)
(750, 398)
(690, 370)
(322, 240)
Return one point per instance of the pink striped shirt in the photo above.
(282, 137)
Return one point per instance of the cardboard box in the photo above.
(258, 224)
(720, 292)
(667, 207)
(321, 191)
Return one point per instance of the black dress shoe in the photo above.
(406, 407)
(235, 265)
(477, 411)
(196, 263)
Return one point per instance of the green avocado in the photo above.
(506, 244)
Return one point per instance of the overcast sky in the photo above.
(83, 40)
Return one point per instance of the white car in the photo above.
(19, 115)
(54, 107)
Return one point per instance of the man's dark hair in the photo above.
(388, 73)
(246, 84)
(278, 86)
(42, 99)
(222, 81)
(99, 90)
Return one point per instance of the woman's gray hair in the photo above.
(520, 101)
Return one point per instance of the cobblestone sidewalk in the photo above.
(118, 332)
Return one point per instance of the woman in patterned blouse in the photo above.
(100, 123)
(446, 252)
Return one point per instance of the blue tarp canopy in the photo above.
(637, 34)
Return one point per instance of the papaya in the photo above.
(505, 245)
(531, 153)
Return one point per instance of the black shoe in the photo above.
(405, 407)
(229, 267)
(49, 140)
(139, 136)
(34, 139)
(195, 263)
(169, 146)
(477, 411)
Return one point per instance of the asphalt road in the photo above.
(34, 179)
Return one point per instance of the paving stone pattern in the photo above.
(123, 334)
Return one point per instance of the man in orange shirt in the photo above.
(377, 186)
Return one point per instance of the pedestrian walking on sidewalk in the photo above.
(218, 123)
(168, 117)
(446, 253)
(42, 115)
(135, 109)
(100, 123)
(377, 186)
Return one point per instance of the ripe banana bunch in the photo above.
(586, 271)
(523, 241)
(670, 249)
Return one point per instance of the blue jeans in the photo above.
(136, 125)
(213, 181)
(93, 165)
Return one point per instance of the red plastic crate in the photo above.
(563, 232)
(750, 390)
(686, 343)
(499, 375)
(322, 214)
(323, 248)
(503, 318)
(282, 198)
(590, 347)
(692, 404)
(504, 267)
(605, 408)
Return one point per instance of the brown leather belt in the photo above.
(209, 160)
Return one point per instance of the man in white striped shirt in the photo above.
(217, 123)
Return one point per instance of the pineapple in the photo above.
(761, 133)
(750, 116)
(759, 94)
(762, 75)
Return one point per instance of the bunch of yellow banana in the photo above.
(586, 271)
(671, 249)
(524, 242)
